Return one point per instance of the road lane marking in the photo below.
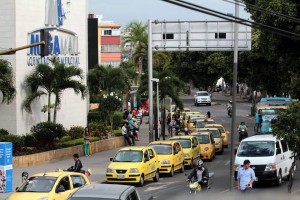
(227, 163)
(155, 188)
(225, 191)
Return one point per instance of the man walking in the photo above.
(125, 134)
(245, 178)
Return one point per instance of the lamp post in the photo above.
(157, 104)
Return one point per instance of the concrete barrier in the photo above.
(60, 154)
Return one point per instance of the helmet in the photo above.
(185, 129)
(200, 163)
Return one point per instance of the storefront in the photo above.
(20, 24)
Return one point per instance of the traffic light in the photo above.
(45, 36)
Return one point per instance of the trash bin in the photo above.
(6, 168)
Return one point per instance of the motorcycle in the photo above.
(195, 186)
(229, 108)
(242, 134)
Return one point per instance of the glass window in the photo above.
(151, 154)
(256, 149)
(284, 146)
(203, 139)
(133, 196)
(77, 181)
(64, 183)
(185, 143)
(129, 156)
(107, 32)
(38, 184)
(202, 94)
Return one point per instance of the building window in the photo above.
(168, 36)
(220, 35)
(107, 32)
(110, 48)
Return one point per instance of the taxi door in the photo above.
(152, 162)
(178, 157)
(196, 148)
(63, 189)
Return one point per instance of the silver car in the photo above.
(105, 192)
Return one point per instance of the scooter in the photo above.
(242, 134)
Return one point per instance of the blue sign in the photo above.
(6, 169)
(59, 13)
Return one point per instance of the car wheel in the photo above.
(182, 168)
(226, 146)
(172, 172)
(279, 179)
(156, 177)
(142, 181)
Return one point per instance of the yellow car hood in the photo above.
(186, 150)
(27, 196)
(164, 157)
(124, 165)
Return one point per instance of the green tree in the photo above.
(287, 127)
(47, 81)
(7, 87)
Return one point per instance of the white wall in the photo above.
(29, 15)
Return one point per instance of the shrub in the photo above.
(117, 120)
(65, 139)
(29, 140)
(98, 129)
(76, 132)
(78, 141)
(46, 133)
(94, 117)
(118, 132)
(3, 131)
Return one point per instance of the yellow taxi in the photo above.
(170, 155)
(207, 145)
(191, 149)
(217, 138)
(186, 115)
(201, 124)
(223, 132)
(50, 185)
(133, 165)
(192, 119)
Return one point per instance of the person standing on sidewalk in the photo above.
(125, 133)
(86, 141)
(245, 178)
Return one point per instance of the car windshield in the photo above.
(221, 129)
(162, 149)
(203, 139)
(129, 156)
(215, 133)
(41, 184)
(202, 94)
(202, 124)
(195, 119)
(256, 149)
(185, 143)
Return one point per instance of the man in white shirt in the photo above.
(125, 133)
(245, 178)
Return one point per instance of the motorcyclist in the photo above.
(200, 174)
(229, 108)
(243, 131)
(77, 166)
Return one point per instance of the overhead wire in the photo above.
(260, 9)
(238, 20)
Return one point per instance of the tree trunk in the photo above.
(49, 107)
(55, 110)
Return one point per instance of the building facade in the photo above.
(109, 42)
(20, 24)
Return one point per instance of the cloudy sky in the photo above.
(124, 11)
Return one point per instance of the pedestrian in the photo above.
(77, 166)
(245, 178)
(133, 128)
(125, 133)
(129, 116)
(208, 115)
(186, 131)
(169, 119)
(86, 141)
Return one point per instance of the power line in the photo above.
(234, 19)
(260, 9)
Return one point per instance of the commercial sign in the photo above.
(6, 169)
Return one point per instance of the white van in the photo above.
(270, 157)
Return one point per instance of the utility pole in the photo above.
(233, 119)
(150, 85)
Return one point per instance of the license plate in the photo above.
(120, 177)
(256, 179)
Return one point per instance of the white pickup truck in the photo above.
(202, 97)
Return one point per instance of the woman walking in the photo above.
(86, 141)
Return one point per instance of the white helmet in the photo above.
(185, 129)
(200, 162)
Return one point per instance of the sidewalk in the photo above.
(98, 163)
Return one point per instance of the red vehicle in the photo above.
(145, 105)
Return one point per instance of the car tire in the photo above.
(278, 182)
(156, 177)
(182, 168)
(142, 181)
(172, 172)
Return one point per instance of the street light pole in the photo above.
(150, 85)
(233, 120)
(157, 105)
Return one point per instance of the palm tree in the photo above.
(48, 81)
(7, 82)
(64, 77)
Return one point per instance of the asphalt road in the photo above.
(176, 187)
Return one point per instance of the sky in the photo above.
(125, 11)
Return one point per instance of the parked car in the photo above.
(133, 165)
(223, 132)
(170, 156)
(106, 191)
(202, 97)
(217, 138)
(191, 149)
(270, 157)
(198, 124)
(49, 185)
(207, 145)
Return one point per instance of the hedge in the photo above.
(78, 141)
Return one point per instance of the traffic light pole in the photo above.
(13, 50)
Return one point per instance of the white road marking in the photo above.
(155, 188)
(227, 163)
